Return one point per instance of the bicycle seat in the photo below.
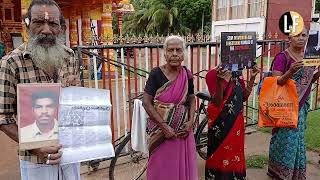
(203, 96)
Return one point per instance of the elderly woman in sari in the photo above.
(226, 129)
(287, 154)
(170, 103)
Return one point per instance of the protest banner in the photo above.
(238, 50)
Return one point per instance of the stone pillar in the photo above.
(106, 30)
(228, 9)
(214, 18)
(264, 8)
(246, 9)
(73, 30)
(214, 10)
(86, 27)
(120, 20)
(106, 20)
(86, 40)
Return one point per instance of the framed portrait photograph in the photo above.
(38, 109)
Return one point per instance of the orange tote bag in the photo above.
(278, 105)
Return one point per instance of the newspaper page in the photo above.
(84, 124)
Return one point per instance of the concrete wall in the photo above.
(236, 25)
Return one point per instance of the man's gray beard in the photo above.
(46, 58)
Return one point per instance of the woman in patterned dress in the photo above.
(226, 159)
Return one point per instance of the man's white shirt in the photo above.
(32, 133)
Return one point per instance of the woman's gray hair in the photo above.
(174, 38)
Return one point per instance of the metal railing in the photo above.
(124, 69)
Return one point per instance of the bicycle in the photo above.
(125, 155)
(137, 161)
(202, 130)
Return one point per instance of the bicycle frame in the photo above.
(202, 110)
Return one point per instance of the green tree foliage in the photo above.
(115, 25)
(192, 12)
(138, 4)
(168, 16)
(317, 9)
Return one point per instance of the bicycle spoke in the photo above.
(135, 161)
(141, 172)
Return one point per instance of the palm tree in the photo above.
(135, 24)
(158, 17)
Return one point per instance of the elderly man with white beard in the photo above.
(43, 59)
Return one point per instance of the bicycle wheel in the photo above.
(202, 138)
(126, 158)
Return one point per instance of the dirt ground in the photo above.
(8, 159)
(256, 144)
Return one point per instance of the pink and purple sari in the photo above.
(172, 158)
